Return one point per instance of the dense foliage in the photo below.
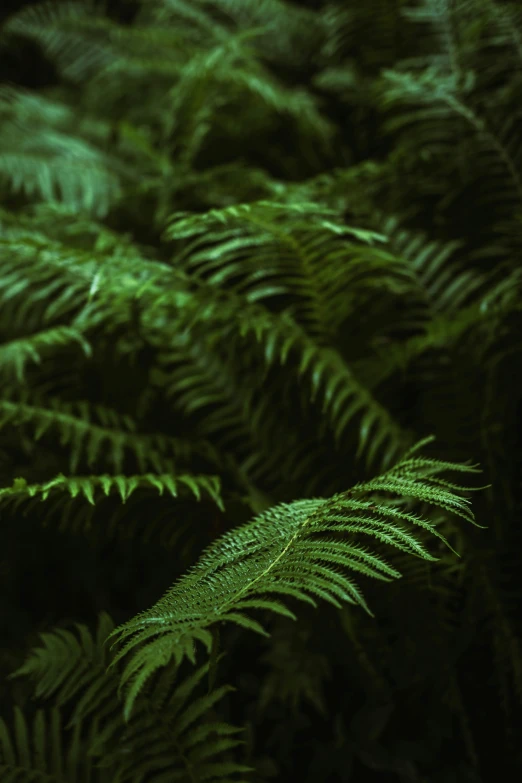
(260, 330)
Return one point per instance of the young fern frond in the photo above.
(305, 550)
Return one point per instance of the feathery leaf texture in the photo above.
(292, 551)
(68, 664)
(172, 734)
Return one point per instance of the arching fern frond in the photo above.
(298, 250)
(323, 372)
(304, 550)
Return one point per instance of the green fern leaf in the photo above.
(290, 550)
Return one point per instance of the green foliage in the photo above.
(252, 252)
(43, 156)
(170, 735)
(35, 751)
(291, 553)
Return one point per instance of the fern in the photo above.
(15, 354)
(36, 753)
(42, 156)
(69, 663)
(287, 551)
(87, 438)
(250, 253)
(314, 276)
(87, 486)
(172, 733)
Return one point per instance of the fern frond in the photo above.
(171, 733)
(172, 736)
(317, 277)
(292, 550)
(287, 34)
(15, 354)
(443, 286)
(43, 156)
(94, 487)
(300, 250)
(85, 44)
(70, 664)
(88, 439)
(452, 97)
(36, 753)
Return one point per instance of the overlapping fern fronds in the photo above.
(455, 95)
(35, 750)
(113, 291)
(184, 310)
(172, 733)
(205, 79)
